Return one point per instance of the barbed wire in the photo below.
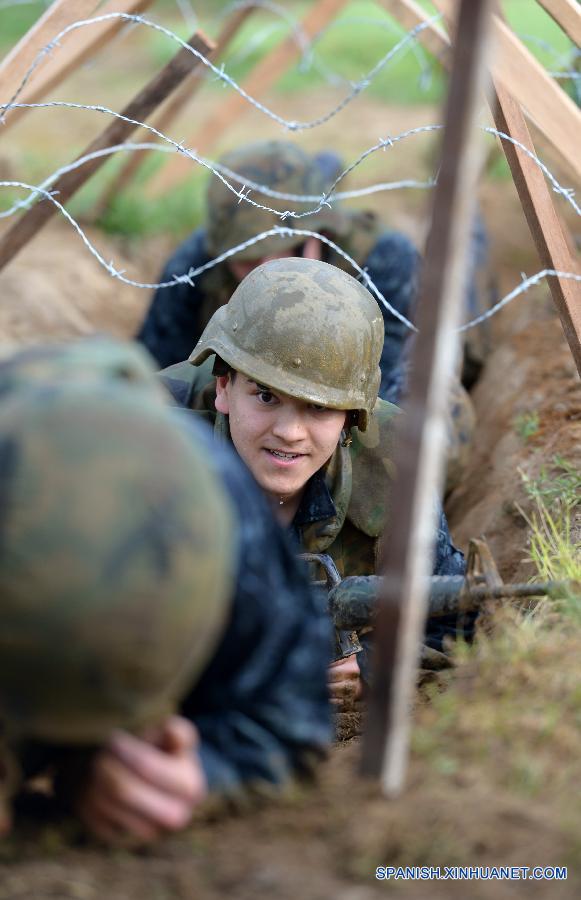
(188, 277)
(290, 125)
(188, 14)
(545, 45)
(567, 193)
(302, 39)
(384, 24)
(524, 286)
(325, 200)
(565, 76)
(140, 147)
(243, 193)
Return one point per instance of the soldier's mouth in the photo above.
(284, 456)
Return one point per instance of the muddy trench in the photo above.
(326, 843)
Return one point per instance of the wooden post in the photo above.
(140, 107)
(420, 448)
(78, 47)
(265, 73)
(544, 224)
(567, 14)
(18, 61)
(172, 107)
(542, 99)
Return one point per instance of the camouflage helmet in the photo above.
(285, 168)
(95, 360)
(116, 561)
(304, 328)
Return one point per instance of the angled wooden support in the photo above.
(139, 108)
(173, 106)
(17, 62)
(264, 74)
(567, 14)
(76, 48)
(546, 229)
(409, 14)
(420, 448)
(541, 98)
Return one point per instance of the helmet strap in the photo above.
(346, 439)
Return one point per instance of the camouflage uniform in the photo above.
(118, 519)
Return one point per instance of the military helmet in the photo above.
(279, 165)
(95, 359)
(304, 328)
(116, 560)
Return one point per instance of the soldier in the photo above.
(144, 587)
(296, 357)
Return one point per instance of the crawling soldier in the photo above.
(158, 640)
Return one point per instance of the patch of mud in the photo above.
(55, 289)
(317, 844)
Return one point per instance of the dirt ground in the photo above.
(327, 843)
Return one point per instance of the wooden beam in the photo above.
(409, 14)
(544, 224)
(173, 106)
(550, 235)
(18, 61)
(139, 108)
(542, 99)
(567, 14)
(77, 47)
(419, 458)
(263, 76)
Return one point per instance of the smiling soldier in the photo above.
(296, 357)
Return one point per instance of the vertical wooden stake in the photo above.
(140, 107)
(419, 457)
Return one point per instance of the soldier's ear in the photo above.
(223, 394)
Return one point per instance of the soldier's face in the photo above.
(240, 268)
(282, 440)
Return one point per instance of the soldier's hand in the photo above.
(344, 679)
(139, 789)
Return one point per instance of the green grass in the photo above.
(527, 425)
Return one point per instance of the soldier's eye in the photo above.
(265, 396)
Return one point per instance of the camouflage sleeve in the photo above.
(185, 383)
(448, 560)
(261, 707)
(171, 327)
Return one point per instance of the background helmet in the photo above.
(304, 328)
(116, 559)
(279, 165)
